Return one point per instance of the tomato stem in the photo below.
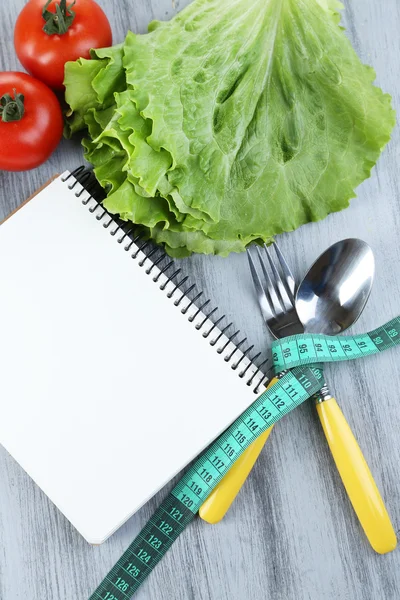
(12, 109)
(59, 22)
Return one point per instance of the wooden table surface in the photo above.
(292, 534)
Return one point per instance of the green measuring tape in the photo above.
(306, 349)
(297, 353)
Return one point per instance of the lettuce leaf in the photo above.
(231, 123)
(90, 85)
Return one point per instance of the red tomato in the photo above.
(43, 54)
(30, 127)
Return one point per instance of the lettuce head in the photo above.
(231, 123)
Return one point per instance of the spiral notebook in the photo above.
(115, 370)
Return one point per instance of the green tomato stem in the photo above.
(59, 22)
(12, 109)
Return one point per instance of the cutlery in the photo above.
(342, 307)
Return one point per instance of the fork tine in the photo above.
(270, 291)
(281, 292)
(261, 296)
(290, 281)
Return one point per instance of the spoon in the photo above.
(330, 299)
(334, 292)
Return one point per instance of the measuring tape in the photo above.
(182, 504)
(297, 353)
(307, 349)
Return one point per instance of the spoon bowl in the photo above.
(335, 290)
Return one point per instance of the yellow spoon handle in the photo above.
(357, 478)
(219, 501)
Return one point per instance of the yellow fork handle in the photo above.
(357, 478)
(219, 501)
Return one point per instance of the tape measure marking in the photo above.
(182, 504)
(306, 349)
(272, 405)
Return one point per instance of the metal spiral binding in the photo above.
(171, 281)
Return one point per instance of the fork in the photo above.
(276, 290)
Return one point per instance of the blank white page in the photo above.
(106, 389)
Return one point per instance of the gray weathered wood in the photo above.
(291, 534)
